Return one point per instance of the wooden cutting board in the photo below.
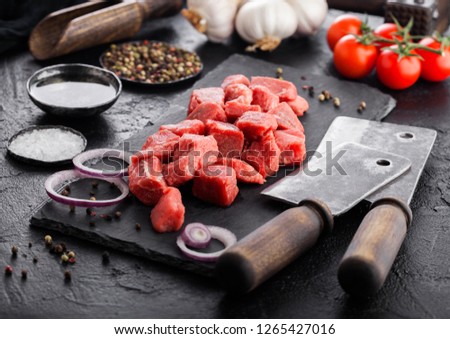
(248, 212)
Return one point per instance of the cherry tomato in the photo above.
(353, 59)
(343, 25)
(387, 31)
(397, 73)
(435, 67)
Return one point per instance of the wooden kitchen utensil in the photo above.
(94, 23)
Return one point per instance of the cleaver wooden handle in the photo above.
(273, 246)
(373, 249)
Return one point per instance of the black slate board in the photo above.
(249, 211)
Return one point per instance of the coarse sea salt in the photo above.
(49, 145)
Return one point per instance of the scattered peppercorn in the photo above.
(363, 104)
(72, 209)
(305, 87)
(327, 95)
(72, 260)
(64, 247)
(67, 188)
(303, 77)
(321, 97)
(24, 274)
(311, 91)
(151, 62)
(336, 102)
(92, 194)
(71, 254)
(138, 226)
(92, 199)
(105, 257)
(117, 215)
(8, 270)
(67, 275)
(65, 193)
(92, 223)
(59, 249)
(48, 240)
(30, 245)
(89, 211)
(35, 260)
(94, 184)
(64, 258)
(14, 250)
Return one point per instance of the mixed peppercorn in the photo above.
(151, 62)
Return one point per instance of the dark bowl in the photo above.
(70, 74)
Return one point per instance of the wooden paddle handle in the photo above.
(373, 249)
(160, 8)
(273, 246)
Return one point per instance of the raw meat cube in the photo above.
(202, 150)
(285, 90)
(239, 93)
(168, 214)
(263, 155)
(216, 184)
(295, 132)
(193, 126)
(145, 179)
(263, 97)
(293, 150)
(235, 79)
(208, 110)
(286, 117)
(179, 171)
(256, 124)
(230, 139)
(234, 110)
(161, 144)
(244, 172)
(299, 105)
(202, 95)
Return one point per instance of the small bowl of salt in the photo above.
(46, 145)
(74, 90)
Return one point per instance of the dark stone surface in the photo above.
(250, 210)
(418, 286)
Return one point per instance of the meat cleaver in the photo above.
(368, 160)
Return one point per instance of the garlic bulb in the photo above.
(215, 18)
(310, 15)
(265, 23)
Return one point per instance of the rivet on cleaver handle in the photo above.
(268, 249)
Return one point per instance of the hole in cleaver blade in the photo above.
(341, 176)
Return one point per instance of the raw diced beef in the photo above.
(161, 144)
(180, 171)
(216, 184)
(239, 93)
(168, 214)
(202, 95)
(208, 110)
(286, 117)
(234, 110)
(145, 179)
(235, 79)
(292, 148)
(263, 97)
(230, 139)
(299, 105)
(256, 124)
(202, 150)
(244, 172)
(263, 155)
(295, 132)
(285, 90)
(186, 126)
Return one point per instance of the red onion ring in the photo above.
(69, 176)
(222, 234)
(100, 153)
(196, 235)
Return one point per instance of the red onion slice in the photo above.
(65, 177)
(101, 153)
(196, 235)
(222, 234)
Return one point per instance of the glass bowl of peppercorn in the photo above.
(152, 63)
